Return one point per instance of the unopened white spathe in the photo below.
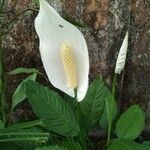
(54, 32)
(122, 55)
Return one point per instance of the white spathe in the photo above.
(53, 32)
(122, 55)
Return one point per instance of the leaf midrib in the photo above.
(59, 114)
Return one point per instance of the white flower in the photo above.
(122, 55)
(63, 51)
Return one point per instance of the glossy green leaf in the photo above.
(20, 93)
(35, 3)
(107, 111)
(147, 143)
(93, 104)
(23, 137)
(131, 123)
(6, 146)
(23, 70)
(24, 134)
(1, 124)
(19, 126)
(126, 145)
(52, 109)
(52, 148)
(27, 138)
(71, 144)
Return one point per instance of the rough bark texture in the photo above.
(109, 20)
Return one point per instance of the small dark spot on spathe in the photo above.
(61, 26)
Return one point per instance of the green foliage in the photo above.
(20, 93)
(52, 148)
(126, 145)
(23, 70)
(92, 106)
(27, 134)
(13, 146)
(107, 111)
(52, 110)
(1, 124)
(60, 119)
(71, 144)
(24, 138)
(147, 143)
(35, 3)
(131, 123)
(25, 125)
(71, 101)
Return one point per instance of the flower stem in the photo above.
(111, 109)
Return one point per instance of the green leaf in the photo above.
(76, 23)
(71, 101)
(50, 107)
(25, 125)
(131, 123)
(147, 143)
(1, 124)
(25, 138)
(35, 3)
(104, 122)
(6, 146)
(92, 106)
(20, 93)
(24, 134)
(23, 70)
(126, 145)
(71, 144)
(52, 148)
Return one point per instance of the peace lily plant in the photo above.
(64, 123)
(119, 67)
(63, 51)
